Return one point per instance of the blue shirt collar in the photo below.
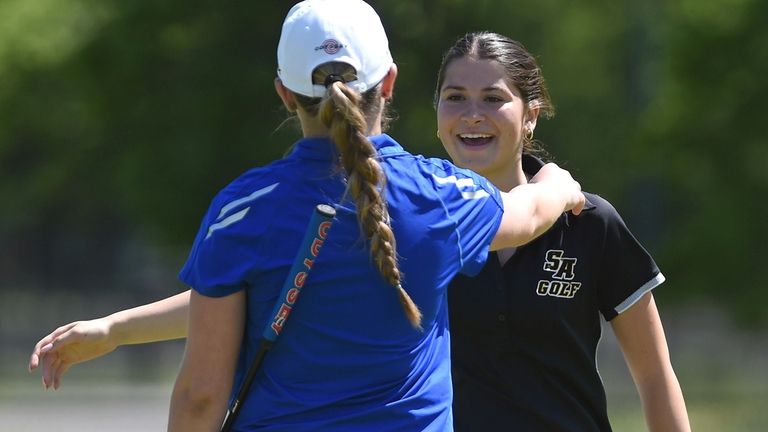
(321, 148)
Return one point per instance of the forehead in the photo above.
(473, 73)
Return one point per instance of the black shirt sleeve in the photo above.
(628, 270)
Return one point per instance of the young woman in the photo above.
(367, 347)
(525, 330)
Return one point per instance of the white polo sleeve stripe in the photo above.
(229, 220)
(255, 195)
(469, 190)
(632, 299)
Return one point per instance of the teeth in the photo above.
(474, 136)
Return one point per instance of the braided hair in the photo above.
(347, 114)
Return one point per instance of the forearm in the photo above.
(162, 320)
(663, 402)
(641, 337)
(529, 211)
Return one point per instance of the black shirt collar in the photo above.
(532, 165)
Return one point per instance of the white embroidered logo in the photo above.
(563, 271)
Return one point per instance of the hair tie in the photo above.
(332, 78)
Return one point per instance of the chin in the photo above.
(474, 165)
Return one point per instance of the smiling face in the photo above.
(481, 120)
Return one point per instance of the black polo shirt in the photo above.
(524, 336)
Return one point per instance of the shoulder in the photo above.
(435, 176)
(436, 171)
(442, 171)
(599, 208)
(598, 219)
(256, 185)
(601, 216)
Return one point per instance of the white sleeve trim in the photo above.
(632, 299)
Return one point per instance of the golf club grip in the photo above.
(317, 230)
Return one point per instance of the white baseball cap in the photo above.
(321, 31)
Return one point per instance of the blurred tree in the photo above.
(705, 142)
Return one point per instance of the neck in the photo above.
(311, 126)
(508, 179)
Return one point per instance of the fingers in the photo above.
(576, 210)
(551, 171)
(49, 365)
(34, 358)
(57, 369)
(53, 378)
(54, 367)
(60, 371)
(46, 353)
(34, 361)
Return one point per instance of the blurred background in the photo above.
(119, 121)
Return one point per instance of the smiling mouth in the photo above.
(475, 140)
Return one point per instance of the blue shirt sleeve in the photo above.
(475, 207)
(226, 247)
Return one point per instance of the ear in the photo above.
(532, 115)
(285, 95)
(388, 83)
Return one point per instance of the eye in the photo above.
(494, 99)
(453, 97)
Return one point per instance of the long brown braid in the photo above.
(343, 112)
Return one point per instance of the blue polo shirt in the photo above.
(347, 359)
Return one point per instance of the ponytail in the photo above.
(340, 111)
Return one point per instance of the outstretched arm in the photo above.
(531, 209)
(81, 341)
(641, 337)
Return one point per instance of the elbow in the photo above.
(198, 404)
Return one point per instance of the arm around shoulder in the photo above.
(531, 209)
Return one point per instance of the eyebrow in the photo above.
(460, 88)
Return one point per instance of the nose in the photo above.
(472, 115)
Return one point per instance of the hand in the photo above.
(571, 189)
(68, 345)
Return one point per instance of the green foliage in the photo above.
(127, 117)
(709, 145)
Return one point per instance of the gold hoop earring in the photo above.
(438, 134)
(528, 135)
